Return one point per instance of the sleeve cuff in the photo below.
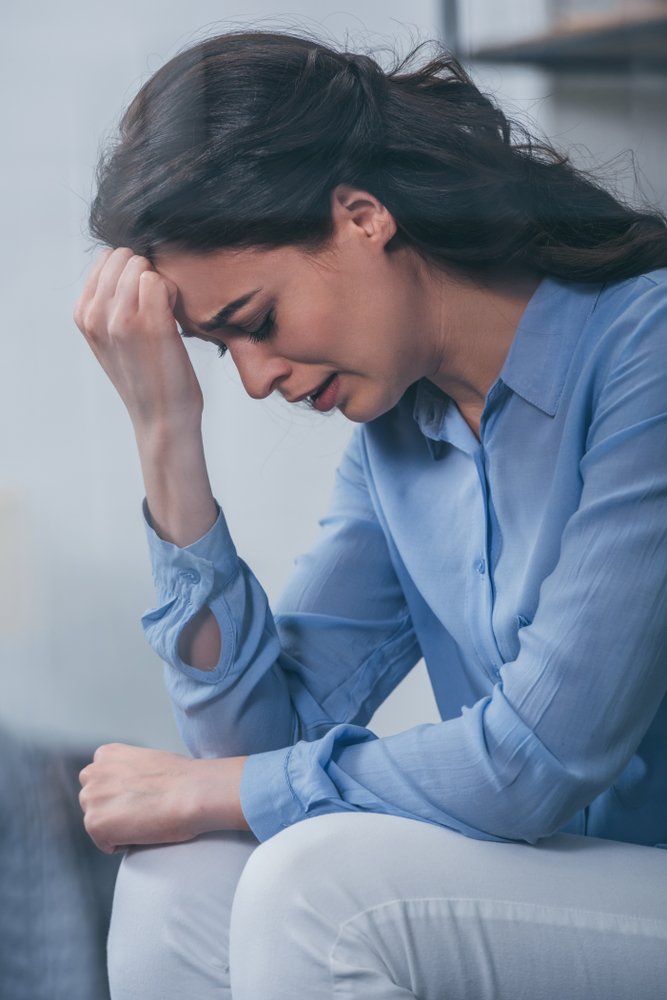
(185, 580)
(215, 548)
(267, 800)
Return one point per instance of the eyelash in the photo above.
(256, 336)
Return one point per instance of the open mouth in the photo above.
(325, 397)
(321, 389)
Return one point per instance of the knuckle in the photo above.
(92, 824)
(92, 320)
(96, 833)
(105, 749)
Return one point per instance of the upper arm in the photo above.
(591, 670)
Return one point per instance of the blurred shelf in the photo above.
(621, 43)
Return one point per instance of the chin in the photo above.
(362, 411)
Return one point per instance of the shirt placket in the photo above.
(480, 605)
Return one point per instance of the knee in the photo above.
(283, 873)
(169, 925)
(285, 909)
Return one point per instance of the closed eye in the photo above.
(264, 331)
(257, 336)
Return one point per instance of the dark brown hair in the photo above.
(239, 141)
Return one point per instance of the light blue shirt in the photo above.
(528, 568)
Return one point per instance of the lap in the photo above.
(360, 904)
(379, 854)
(397, 908)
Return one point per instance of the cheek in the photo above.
(315, 336)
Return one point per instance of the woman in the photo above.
(495, 324)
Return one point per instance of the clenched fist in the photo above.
(133, 795)
(126, 314)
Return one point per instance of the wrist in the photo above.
(178, 490)
(216, 795)
(158, 439)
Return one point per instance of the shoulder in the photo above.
(633, 316)
(626, 331)
(626, 356)
(637, 302)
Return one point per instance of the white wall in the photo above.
(74, 576)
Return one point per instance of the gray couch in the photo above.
(55, 886)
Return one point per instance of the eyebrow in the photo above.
(225, 314)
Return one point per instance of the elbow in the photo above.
(547, 808)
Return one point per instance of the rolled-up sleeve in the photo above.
(340, 640)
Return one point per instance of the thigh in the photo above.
(169, 935)
(354, 905)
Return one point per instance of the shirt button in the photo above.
(191, 575)
(481, 567)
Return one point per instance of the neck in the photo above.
(473, 325)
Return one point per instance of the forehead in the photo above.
(226, 269)
(208, 282)
(199, 277)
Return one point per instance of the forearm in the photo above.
(182, 509)
(178, 490)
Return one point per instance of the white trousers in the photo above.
(369, 906)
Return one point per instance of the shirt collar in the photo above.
(440, 421)
(537, 362)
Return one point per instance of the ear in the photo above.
(355, 212)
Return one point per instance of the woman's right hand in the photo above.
(125, 312)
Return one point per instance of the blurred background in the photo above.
(74, 574)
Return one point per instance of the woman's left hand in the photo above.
(133, 795)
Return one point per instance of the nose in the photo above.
(261, 371)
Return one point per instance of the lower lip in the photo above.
(329, 397)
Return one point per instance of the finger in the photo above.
(95, 835)
(92, 316)
(108, 748)
(122, 310)
(90, 287)
(172, 291)
(105, 846)
(154, 295)
(111, 272)
(127, 285)
(84, 775)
